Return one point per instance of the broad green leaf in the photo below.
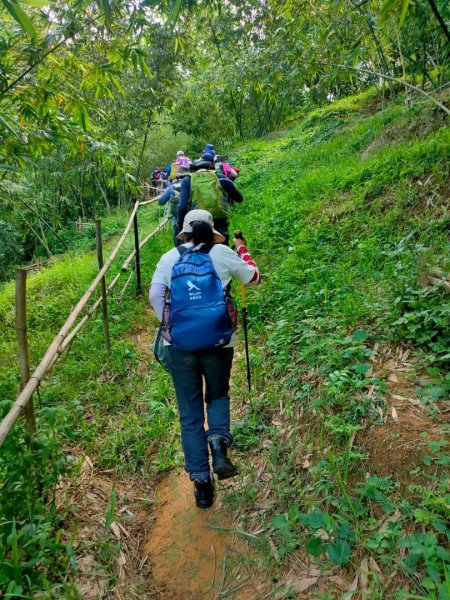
(359, 335)
(280, 522)
(361, 368)
(315, 546)
(339, 552)
(20, 16)
(316, 520)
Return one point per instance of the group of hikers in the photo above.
(190, 293)
(206, 183)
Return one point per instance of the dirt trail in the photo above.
(189, 559)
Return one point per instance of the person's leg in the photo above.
(216, 366)
(186, 371)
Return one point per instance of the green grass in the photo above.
(337, 213)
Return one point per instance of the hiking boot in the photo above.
(204, 492)
(222, 465)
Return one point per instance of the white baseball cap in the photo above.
(200, 215)
(180, 153)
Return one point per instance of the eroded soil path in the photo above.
(197, 554)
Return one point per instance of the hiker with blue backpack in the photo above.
(189, 296)
(207, 190)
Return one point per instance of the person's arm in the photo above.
(240, 265)
(185, 192)
(165, 196)
(156, 296)
(234, 194)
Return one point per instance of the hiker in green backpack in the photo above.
(206, 190)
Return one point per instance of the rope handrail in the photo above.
(65, 335)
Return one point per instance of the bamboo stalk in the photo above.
(24, 397)
(22, 339)
(127, 262)
(138, 257)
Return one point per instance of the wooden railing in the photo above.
(69, 330)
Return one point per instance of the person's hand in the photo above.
(239, 240)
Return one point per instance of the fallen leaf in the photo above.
(406, 354)
(300, 585)
(393, 377)
(374, 566)
(394, 413)
(363, 575)
(392, 519)
(306, 464)
(121, 561)
(116, 530)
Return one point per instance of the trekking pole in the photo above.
(244, 314)
(239, 235)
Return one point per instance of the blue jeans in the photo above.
(187, 370)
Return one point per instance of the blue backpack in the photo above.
(199, 317)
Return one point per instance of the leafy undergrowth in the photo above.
(108, 408)
(345, 430)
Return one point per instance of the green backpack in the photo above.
(207, 194)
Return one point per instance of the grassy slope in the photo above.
(88, 404)
(337, 212)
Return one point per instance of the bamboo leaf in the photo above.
(37, 3)
(9, 168)
(174, 12)
(404, 11)
(106, 6)
(20, 17)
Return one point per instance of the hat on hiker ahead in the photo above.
(208, 156)
(209, 148)
(199, 215)
(180, 153)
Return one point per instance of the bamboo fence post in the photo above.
(99, 248)
(138, 256)
(22, 339)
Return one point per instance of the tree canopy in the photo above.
(82, 84)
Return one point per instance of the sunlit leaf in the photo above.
(404, 11)
(174, 12)
(37, 3)
(20, 16)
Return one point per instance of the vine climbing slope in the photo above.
(342, 444)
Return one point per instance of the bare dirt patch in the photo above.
(198, 554)
(398, 444)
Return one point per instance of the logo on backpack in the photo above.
(198, 311)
